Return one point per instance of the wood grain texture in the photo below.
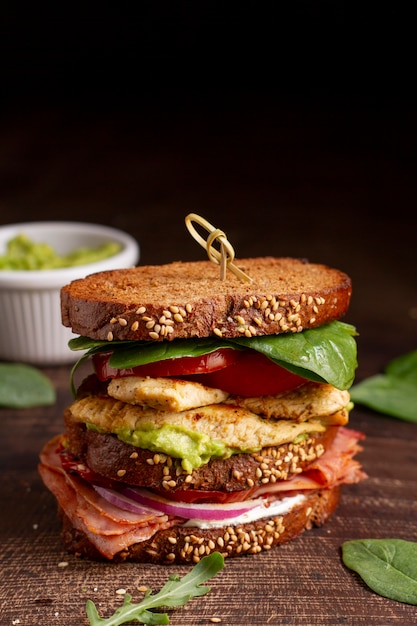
(302, 181)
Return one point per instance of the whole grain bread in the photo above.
(185, 544)
(187, 299)
(121, 462)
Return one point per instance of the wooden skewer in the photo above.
(225, 256)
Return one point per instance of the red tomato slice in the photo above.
(198, 496)
(240, 372)
(253, 375)
(72, 466)
(169, 367)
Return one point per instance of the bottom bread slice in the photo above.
(187, 544)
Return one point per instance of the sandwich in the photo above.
(210, 415)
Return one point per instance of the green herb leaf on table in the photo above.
(23, 386)
(394, 392)
(176, 592)
(387, 566)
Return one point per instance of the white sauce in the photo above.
(278, 507)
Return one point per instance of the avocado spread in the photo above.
(193, 448)
(24, 254)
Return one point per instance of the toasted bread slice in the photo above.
(183, 300)
(119, 461)
(187, 544)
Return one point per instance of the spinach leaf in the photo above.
(387, 566)
(394, 392)
(130, 356)
(404, 366)
(85, 343)
(324, 354)
(23, 386)
(328, 353)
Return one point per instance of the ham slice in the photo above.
(111, 529)
(108, 528)
(50, 458)
(335, 467)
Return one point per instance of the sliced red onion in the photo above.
(123, 502)
(210, 511)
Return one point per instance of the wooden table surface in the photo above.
(332, 180)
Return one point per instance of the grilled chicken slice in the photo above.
(311, 400)
(166, 394)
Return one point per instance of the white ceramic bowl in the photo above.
(31, 329)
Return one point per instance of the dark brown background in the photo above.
(293, 131)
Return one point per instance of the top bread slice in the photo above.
(182, 300)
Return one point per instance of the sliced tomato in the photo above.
(240, 372)
(72, 466)
(197, 496)
(169, 367)
(253, 375)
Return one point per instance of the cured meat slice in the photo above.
(109, 528)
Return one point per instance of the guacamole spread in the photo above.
(24, 254)
(193, 448)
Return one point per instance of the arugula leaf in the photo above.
(176, 592)
(324, 354)
(126, 613)
(23, 386)
(387, 566)
(394, 392)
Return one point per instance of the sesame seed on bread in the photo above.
(187, 544)
(182, 300)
